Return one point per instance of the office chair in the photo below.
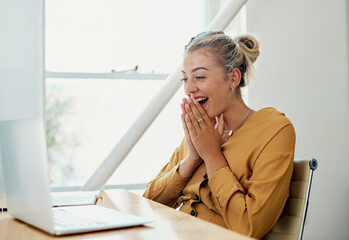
(290, 225)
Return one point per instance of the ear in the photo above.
(235, 78)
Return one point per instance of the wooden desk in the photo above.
(169, 224)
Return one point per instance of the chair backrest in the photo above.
(291, 222)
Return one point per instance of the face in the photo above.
(206, 81)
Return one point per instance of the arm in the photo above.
(167, 186)
(169, 183)
(253, 210)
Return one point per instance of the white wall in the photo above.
(303, 71)
(21, 60)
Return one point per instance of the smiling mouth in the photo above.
(202, 101)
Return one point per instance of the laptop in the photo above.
(73, 198)
(23, 153)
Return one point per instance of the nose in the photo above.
(190, 87)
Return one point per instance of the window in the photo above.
(105, 60)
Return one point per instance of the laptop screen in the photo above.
(25, 168)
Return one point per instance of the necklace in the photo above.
(230, 132)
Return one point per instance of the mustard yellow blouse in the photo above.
(248, 197)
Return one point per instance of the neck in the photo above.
(236, 115)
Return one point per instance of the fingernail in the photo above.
(189, 100)
(195, 100)
(187, 105)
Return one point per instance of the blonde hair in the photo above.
(239, 52)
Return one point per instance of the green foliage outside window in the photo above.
(61, 162)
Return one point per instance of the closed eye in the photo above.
(200, 77)
(184, 79)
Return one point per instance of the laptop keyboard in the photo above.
(62, 217)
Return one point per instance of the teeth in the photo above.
(200, 99)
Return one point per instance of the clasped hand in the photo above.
(203, 134)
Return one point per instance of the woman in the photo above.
(235, 164)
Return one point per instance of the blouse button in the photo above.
(205, 176)
(192, 213)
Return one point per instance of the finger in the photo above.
(184, 124)
(185, 128)
(220, 123)
(184, 101)
(186, 131)
(193, 119)
(202, 112)
(183, 109)
(190, 127)
(214, 122)
(194, 109)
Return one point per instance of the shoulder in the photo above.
(271, 113)
(269, 121)
(271, 117)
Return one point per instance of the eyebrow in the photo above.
(196, 69)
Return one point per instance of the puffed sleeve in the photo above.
(254, 208)
(167, 186)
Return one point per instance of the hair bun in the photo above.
(250, 46)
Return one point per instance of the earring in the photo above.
(232, 88)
